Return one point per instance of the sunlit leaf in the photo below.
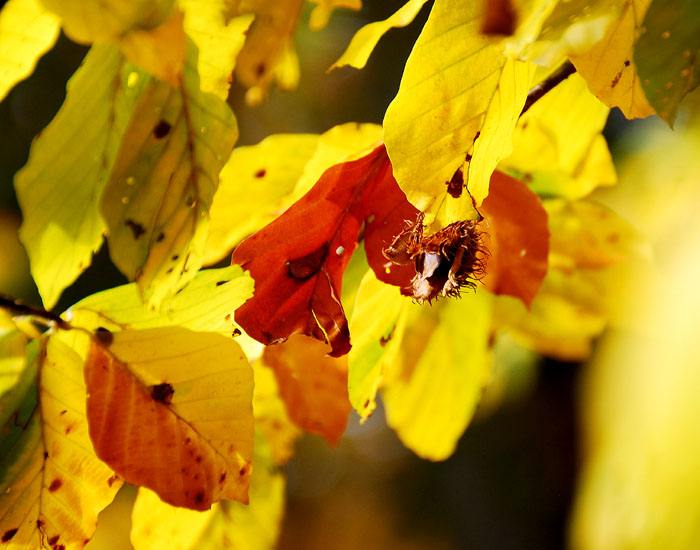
(667, 54)
(160, 51)
(219, 39)
(432, 387)
(558, 148)
(452, 77)
(53, 486)
(62, 224)
(157, 200)
(26, 32)
(372, 325)
(268, 41)
(322, 12)
(365, 40)
(254, 187)
(88, 21)
(229, 525)
(609, 67)
(206, 304)
(313, 386)
(189, 432)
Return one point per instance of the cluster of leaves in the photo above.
(152, 383)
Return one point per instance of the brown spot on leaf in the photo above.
(236, 332)
(137, 229)
(187, 440)
(198, 459)
(104, 336)
(162, 393)
(39, 523)
(7, 535)
(617, 78)
(199, 497)
(260, 173)
(112, 479)
(46, 455)
(160, 237)
(64, 411)
(456, 184)
(219, 283)
(227, 317)
(53, 541)
(175, 257)
(366, 404)
(260, 69)
(55, 485)
(244, 470)
(384, 340)
(307, 266)
(161, 130)
(222, 478)
(627, 62)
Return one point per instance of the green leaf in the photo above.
(365, 40)
(255, 186)
(454, 92)
(52, 486)
(27, 31)
(59, 187)
(667, 54)
(206, 304)
(432, 389)
(157, 201)
(88, 21)
(13, 344)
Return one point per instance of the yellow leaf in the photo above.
(432, 389)
(452, 78)
(254, 187)
(160, 51)
(609, 67)
(372, 325)
(159, 526)
(365, 40)
(53, 486)
(26, 32)
(189, 432)
(206, 304)
(62, 224)
(558, 146)
(88, 21)
(157, 200)
(269, 38)
(13, 343)
(218, 39)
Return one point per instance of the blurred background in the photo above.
(601, 455)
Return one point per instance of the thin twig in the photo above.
(564, 71)
(19, 308)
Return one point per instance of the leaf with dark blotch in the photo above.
(298, 260)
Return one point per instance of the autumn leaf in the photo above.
(189, 434)
(365, 39)
(313, 386)
(27, 30)
(667, 54)
(160, 189)
(609, 67)
(53, 485)
(157, 525)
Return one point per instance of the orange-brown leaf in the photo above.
(313, 385)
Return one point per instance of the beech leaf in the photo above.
(313, 386)
(189, 433)
(27, 30)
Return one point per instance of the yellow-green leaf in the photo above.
(26, 32)
(372, 325)
(365, 40)
(53, 485)
(322, 12)
(189, 430)
(157, 201)
(433, 386)
(667, 54)
(229, 525)
(206, 304)
(88, 21)
(59, 187)
(451, 79)
(254, 187)
(218, 39)
(13, 343)
(557, 145)
(160, 51)
(609, 67)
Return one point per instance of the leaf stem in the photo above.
(564, 71)
(19, 308)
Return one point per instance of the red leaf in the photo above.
(519, 239)
(298, 260)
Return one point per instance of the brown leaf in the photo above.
(313, 385)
